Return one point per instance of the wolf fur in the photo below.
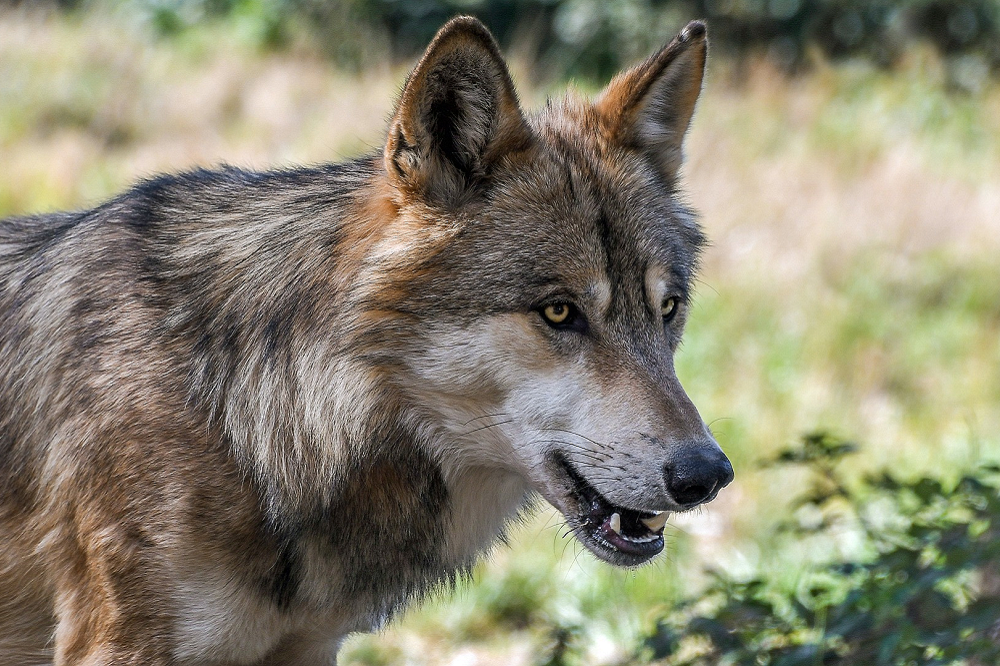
(244, 414)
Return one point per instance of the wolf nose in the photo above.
(697, 476)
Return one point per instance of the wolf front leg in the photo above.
(90, 632)
(108, 604)
(95, 626)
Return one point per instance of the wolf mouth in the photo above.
(614, 533)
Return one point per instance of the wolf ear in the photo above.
(649, 107)
(457, 116)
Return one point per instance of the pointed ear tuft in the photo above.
(458, 115)
(693, 30)
(650, 106)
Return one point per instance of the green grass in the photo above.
(852, 284)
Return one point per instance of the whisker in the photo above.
(705, 284)
(597, 460)
(560, 522)
(486, 427)
(599, 455)
(566, 544)
(576, 434)
(595, 464)
(485, 416)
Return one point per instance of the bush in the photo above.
(925, 588)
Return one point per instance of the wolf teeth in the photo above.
(615, 523)
(656, 522)
(642, 539)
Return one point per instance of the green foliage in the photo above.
(563, 647)
(923, 587)
(265, 23)
(595, 38)
(875, 29)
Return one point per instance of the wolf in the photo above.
(245, 414)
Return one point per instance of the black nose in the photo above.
(696, 475)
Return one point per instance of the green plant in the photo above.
(921, 586)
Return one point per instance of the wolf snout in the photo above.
(696, 476)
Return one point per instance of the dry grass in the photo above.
(853, 283)
(86, 109)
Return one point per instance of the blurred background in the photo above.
(845, 339)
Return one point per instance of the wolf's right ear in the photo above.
(650, 106)
(458, 115)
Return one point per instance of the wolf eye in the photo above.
(668, 309)
(557, 313)
(563, 317)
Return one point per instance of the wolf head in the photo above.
(543, 264)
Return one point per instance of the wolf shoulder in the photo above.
(99, 307)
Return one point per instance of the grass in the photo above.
(852, 284)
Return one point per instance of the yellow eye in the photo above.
(669, 308)
(556, 313)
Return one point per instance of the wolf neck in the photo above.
(398, 522)
(383, 508)
(484, 501)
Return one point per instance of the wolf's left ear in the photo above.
(649, 107)
(458, 115)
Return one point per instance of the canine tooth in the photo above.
(615, 523)
(656, 523)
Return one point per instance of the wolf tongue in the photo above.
(656, 522)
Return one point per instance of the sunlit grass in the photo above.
(852, 285)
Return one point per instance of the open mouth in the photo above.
(616, 534)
